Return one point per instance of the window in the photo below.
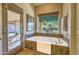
(65, 23)
(30, 23)
(48, 24)
(13, 34)
(11, 28)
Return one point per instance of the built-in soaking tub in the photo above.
(45, 44)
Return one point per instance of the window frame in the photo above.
(50, 14)
(27, 18)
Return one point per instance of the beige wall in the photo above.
(78, 28)
(49, 8)
(27, 7)
(67, 12)
(70, 11)
(73, 29)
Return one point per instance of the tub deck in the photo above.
(49, 40)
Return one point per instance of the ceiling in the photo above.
(38, 4)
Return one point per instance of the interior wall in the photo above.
(27, 9)
(0, 20)
(78, 29)
(0, 27)
(53, 7)
(70, 11)
(73, 29)
(47, 8)
(67, 12)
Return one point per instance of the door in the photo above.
(12, 27)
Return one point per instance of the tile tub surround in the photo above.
(50, 40)
(29, 34)
(49, 35)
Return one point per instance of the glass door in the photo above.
(13, 25)
(12, 29)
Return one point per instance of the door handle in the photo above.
(0, 38)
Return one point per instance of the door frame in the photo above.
(17, 9)
(77, 29)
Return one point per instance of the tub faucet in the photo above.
(59, 41)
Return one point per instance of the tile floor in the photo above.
(29, 52)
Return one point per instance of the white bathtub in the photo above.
(44, 43)
(50, 40)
